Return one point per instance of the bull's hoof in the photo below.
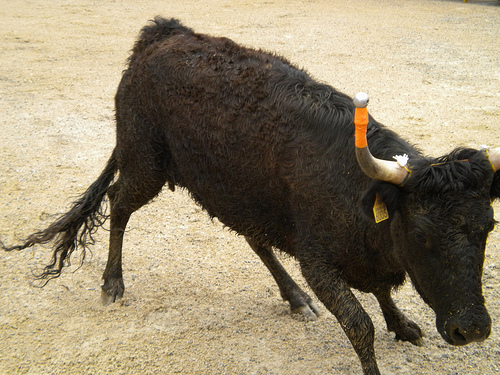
(409, 331)
(309, 312)
(301, 303)
(111, 291)
(418, 342)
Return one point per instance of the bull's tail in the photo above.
(76, 227)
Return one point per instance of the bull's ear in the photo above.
(381, 200)
(495, 186)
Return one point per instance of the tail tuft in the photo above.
(74, 229)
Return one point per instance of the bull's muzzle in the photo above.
(465, 326)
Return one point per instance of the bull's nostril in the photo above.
(458, 338)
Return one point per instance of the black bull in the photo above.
(270, 152)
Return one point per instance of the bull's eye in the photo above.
(420, 237)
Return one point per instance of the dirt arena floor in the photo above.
(197, 299)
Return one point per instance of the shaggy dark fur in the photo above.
(269, 151)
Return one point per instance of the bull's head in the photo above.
(439, 215)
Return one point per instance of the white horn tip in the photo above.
(361, 100)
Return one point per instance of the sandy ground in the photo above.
(198, 301)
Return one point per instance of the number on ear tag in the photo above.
(380, 212)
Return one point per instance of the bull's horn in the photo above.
(494, 157)
(394, 172)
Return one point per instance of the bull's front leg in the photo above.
(300, 302)
(404, 328)
(332, 290)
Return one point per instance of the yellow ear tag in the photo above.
(380, 210)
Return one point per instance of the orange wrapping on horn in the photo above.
(360, 124)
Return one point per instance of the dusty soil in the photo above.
(198, 301)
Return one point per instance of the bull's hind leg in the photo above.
(126, 195)
(299, 301)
